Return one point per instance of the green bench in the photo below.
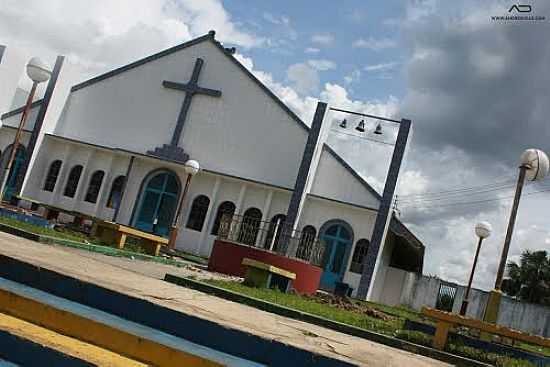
(262, 275)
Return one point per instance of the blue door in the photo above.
(16, 167)
(337, 241)
(157, 205)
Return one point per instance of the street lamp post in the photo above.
(483, 230)
(38, 72)
(534, 167)
(191, 167)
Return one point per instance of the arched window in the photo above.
(361, 248)
(274, 231)
(94, 187)
(199, 208)
(51, 178)
(307, 240)
(116, 192)
(72, 181)
(250, 226)
(226, 209)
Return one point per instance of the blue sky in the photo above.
(476, 90)
(297, 29)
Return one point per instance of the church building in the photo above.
(118, 149)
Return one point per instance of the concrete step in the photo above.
(28, 344)
(98, 329)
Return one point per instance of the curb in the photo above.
(28, 353)
(105, 250)
(320, 321)
(239, 343)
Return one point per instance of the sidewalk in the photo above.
(122, 275)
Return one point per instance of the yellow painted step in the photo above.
(64, 344)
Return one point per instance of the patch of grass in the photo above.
(482, 356)
(535, 349)
(63, 234)
(391, 327)
(312, 306)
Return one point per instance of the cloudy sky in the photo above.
(476, 89)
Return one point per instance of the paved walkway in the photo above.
(141, 279)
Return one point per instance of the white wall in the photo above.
(422, 291)
(14, 120)
(220, 132)
(11, 69)
(318, 211)
(334, 181)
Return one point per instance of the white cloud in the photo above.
(353, 77)
(305, 79)
(374, 44)
(322, 64)
(381, 67)
(312, 50)
(281, 20)
(322, 38)
(104, 34)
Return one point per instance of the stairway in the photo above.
(40, 329)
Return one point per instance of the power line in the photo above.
(496, 184)
(453, 195)
(476, 202)
(362, 137)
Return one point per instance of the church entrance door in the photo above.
(157, 204)
(337, 240)
(11, 184)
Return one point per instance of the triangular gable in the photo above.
(349, 171)
(335, 179)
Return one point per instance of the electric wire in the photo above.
(474, 202)
(361, 137)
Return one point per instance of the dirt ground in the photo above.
(142, 279)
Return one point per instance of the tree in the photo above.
(530, 279)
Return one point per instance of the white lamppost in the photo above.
(38, 72)
(191, 167)
(534, 166)
(483, 230)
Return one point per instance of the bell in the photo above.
(378, 130)
(344, 124)
(361, 126)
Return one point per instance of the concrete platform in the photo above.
(206, 320)
(30, 344)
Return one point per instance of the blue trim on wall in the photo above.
(2, 50)
(384, 211)
(20, 110)
(197, 330)
(27, 353)
(304, 170)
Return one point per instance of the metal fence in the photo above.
(445, 297)
(274, 236)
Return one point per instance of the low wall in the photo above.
(421, 291)
(227, 257)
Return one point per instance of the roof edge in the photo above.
(209, 36)
(353, 171)
(19, 110)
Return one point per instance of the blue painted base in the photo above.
(27, 353)
(31, 219)
(210, 334)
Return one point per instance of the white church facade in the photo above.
(117, 153)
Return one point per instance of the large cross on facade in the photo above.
(173, 151)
